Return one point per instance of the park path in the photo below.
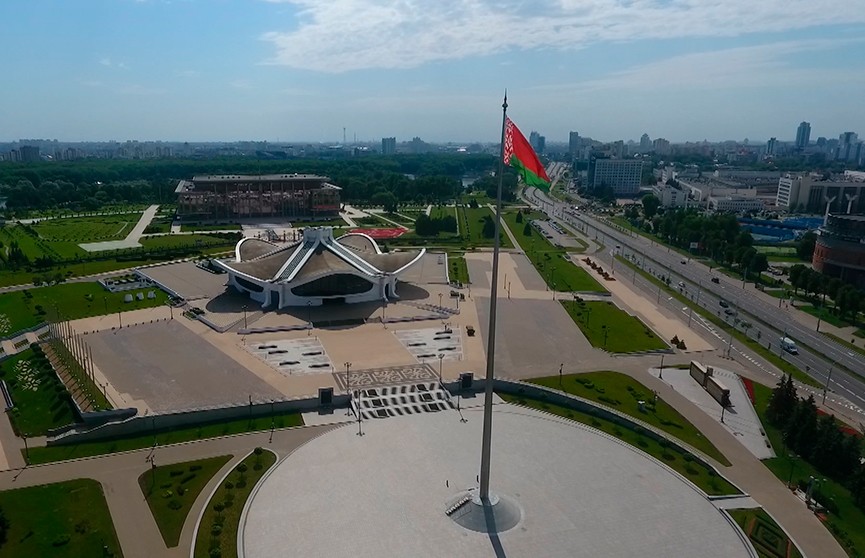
(132, 239)
(136, 529)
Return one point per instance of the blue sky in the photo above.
(301, 70)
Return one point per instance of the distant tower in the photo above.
(574, 143)
(388, 146)
(771, 145)
(645, 143)
(803, 135)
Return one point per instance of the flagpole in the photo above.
(491, 330)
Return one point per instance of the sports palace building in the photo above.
(316, 270)
(233, 196)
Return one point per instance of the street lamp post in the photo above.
(309, 317)
(440, 300)
(828, 379)
(661, 369)
(561, 366)
(441, 358)
(792, 457)
(245, 323)
(604, 327)
(272, 422)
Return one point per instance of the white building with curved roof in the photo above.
(318, 268)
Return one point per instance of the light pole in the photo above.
(792, 457)
(661, 369)
(440, 300)
(348, 385)
(604, 327)
(441, 358)
(272, 422)
(245, 323)
(309, 317)
(828, 379)
(561, 366)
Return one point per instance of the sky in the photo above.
(304, 70)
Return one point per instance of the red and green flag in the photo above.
(519, 154)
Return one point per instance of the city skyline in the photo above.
(302, 71)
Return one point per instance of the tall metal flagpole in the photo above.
(491, 341)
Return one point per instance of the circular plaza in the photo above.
(578, 492)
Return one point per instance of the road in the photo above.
(817, 356)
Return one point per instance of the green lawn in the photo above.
(825, 315)
(185, 241)
(681, 462)
(66, 519)
(221, 519)
(621, 392)
(551, 262)
(612, 329)
(755, 345)
(471, 224)
(163, 438)
(88, 229)
(401, 218)
(170, 491)
(458, 271)
(441, 211)
(41, 401)
(847, 524)
(768, 538)
(72, 301)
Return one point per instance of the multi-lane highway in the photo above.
(817, 353)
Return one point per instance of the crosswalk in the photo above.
(406, 399)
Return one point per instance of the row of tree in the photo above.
(89, 185)
(847, 300)
(425, 225)
(817, 439)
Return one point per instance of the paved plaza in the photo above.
(740, 418)
(171, 368)
(294, 356)
(580, 493)
(188, 280)
(427, 344)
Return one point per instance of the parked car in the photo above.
(723, 304)
(716, 280)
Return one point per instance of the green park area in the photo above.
(67, 301)
(610, 328)
(204, 227)
(170, 491)
(550, 261)
(63, 520)
(769, 540)
(623, 393)
(41, 401)
(164, 437)
(87, 229)
(217, 532)
(844, 518)
(477, 226)
(458, 271)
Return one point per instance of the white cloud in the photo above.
(343, 35)
(108, 63)
(753, 66)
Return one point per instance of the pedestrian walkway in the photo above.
(131, 240)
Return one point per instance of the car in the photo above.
(729, 311)
(683, 261)
(681, 284)
(723, 304)
(716, 280)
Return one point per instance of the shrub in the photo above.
(61, 540)
(175, 505)
(229, 485)
(218, 507)
(175, 473)
(242, 468)
(195, 467)
(258, 451)
(187, 478)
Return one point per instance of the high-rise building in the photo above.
(622, 175)
(661, 146)
(29, 154)
(848, 147)
(645, 143)
(803, 135)
(537, 141)
(388, 146)
(771, 146)
(574, 143)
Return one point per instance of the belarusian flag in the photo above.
(519, 154)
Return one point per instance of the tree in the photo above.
(782, 402)
(489, 230)
(806, 245)
(759, 263)
(651, 203)
(519, 216)
(527, 229)
(385, 199)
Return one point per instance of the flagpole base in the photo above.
(494, 514)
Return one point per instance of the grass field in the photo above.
(221, 519)
(768, 538)
(441, 211)
(88, 229)
(847, 524)
(185, 241)
(550, 261)
(458, 270)
(41, 401)
(621, 392)
(401, 218)
(164, 438)
(71, 301)
(66, 519)
(612, 329)
(471, 225)
(170, 491)
(683, 463)
(752, 344)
